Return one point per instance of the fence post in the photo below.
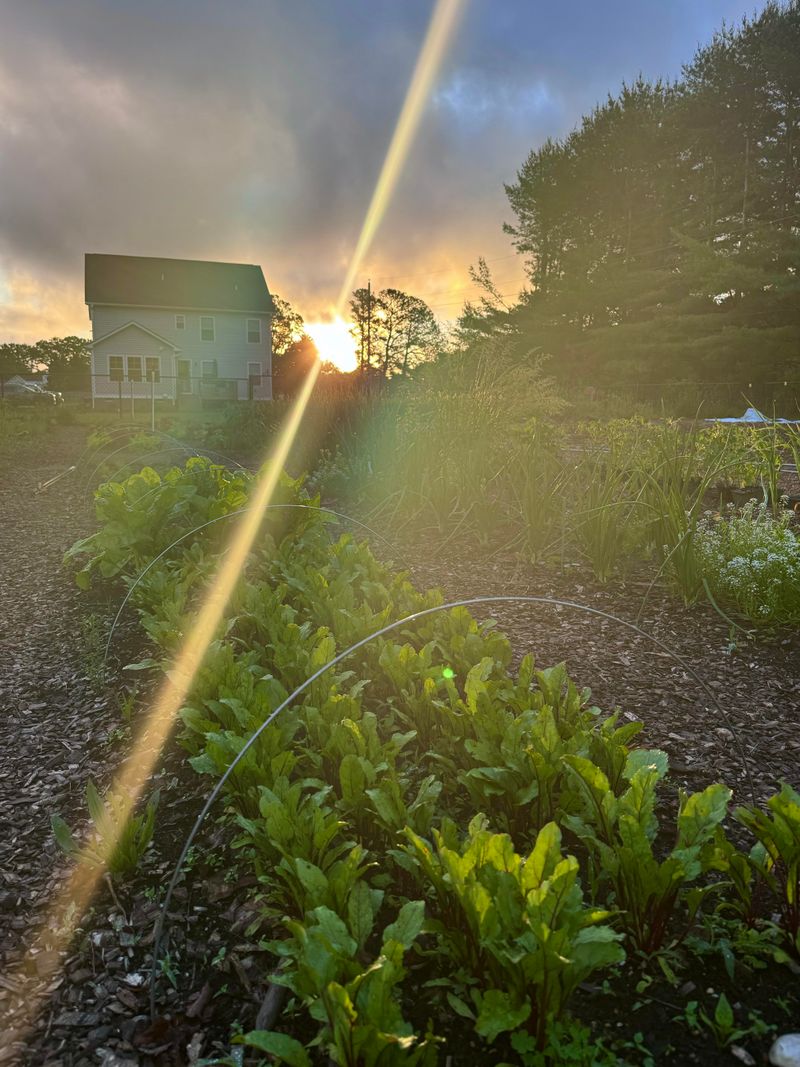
(119, 388)
(152, 401)
(133, 403)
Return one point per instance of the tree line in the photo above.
(661, 238)
(65, 360)
(393, 332)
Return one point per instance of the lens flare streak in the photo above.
(438, 37)
(72, 900)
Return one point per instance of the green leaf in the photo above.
(407, 925)
(313, 880)
(460, 1007)
(360, 913)
(286, 1048)
(701, 813)
(646, 757)
(388, 804)
(498, 1013)
(352, 778)
(141, 665)
(723, 1013)
(63, 835)
(331, 925)
(546, 853)
(96, 807)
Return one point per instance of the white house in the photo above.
(185, 329)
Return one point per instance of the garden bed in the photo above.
(757, 682)
(97, 1008)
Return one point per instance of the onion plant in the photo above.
(608, 526)
(675, 491)
(769, 447)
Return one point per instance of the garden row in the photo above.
(465, 463)
(442, 843)
(609, 494)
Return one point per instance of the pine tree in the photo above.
(662, 237)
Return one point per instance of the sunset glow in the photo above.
(334, 342)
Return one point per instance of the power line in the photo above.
(451, 303)
(443, 270)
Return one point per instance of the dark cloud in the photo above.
(256, 130)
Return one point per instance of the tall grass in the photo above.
(471, 447)
(609, 527)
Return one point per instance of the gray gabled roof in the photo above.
(136, 326)
(145, 281)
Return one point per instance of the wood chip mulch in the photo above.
(60, 724)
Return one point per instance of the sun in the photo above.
(334, 342)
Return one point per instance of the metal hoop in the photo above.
(519, 599)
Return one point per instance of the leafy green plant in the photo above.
(516, 927)
(121, 837)
(776, 856)
(362, 1022)
(738, 940)
(514, 770)
(142, 515)
(620, 831)
(722, 1023)
(569, 1044)
(301, 855)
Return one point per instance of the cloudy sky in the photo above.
(255, 130)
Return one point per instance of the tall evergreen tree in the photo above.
(662, 237)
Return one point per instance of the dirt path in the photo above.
(53, 719)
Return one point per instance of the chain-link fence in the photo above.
(180, 390)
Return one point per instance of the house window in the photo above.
(254, 331)
(152, 367)
(254, 374)
(180, 322)
(116, 368)
(209, 370)
(206, 327)
(134, 368)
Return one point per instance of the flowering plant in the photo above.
(752, 561)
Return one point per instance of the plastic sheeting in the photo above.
(753, 416)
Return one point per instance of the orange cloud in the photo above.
(32, 309)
